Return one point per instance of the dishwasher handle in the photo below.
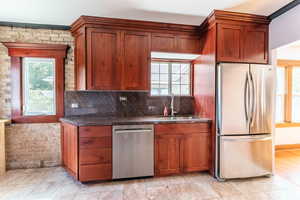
(133, 131)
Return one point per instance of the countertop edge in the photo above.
(130, 122)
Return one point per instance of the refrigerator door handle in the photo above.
(246, 97)
(252, 98)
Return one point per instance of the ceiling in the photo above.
(64, 12)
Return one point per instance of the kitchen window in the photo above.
(170, 77)
(37, 82)
(288, 93)
(38, 75)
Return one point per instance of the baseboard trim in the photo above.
(287, 146)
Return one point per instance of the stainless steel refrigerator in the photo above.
(245, 107)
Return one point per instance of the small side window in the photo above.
(38, 86)
(37, 81)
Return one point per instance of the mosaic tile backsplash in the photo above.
(123, 104)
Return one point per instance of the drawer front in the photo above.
(95, 156)
(95, 131)
(95, 172)
(92, 143)
(181, 128)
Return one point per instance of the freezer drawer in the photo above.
(245, 156)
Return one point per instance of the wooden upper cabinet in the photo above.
(256, 44)
(80, 53)
(117, 60)
(240, 37)
(163, 42)
(136, 72)
(242, 43)
(229, 43)
(103, 55)
(175, 43)
(114, 54)
(188, 44)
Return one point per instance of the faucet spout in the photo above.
(172, 105)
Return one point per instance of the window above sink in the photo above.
(170, 77)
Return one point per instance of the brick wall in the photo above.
(31, 145)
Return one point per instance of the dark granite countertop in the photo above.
(98, 121)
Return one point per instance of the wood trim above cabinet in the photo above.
(90, 21)
(219, 16)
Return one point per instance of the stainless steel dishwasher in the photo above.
(133, 151)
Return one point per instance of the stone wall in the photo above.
(31, 145)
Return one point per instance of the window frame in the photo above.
(191, 84)
(288, 97)
(17, 51)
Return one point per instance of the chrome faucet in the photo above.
(172, 105)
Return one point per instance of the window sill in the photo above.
(36, 119)
(284, 125)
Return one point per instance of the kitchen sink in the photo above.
(177, 118)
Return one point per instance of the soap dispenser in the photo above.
(165, 111)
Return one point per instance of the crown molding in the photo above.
(132, 24)
(284, 9)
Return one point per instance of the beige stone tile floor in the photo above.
(55, 183)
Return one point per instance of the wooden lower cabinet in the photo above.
(69, 148)
(95, 172)
(181, 148)
(196, 151)
(167, 154)
(87, 152)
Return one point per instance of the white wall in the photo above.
(290, 52)
(285, 28)
(289, 135)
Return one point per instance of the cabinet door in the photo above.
(256, 44)
(196, 152)
(188, 44)
(80, 60)
(163, 42)
(103, 67)
(136, 66)
(167, 154)
(229, 45)
(69, 149)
